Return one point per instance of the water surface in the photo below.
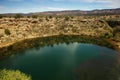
(73, 61)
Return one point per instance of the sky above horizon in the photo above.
(27, 6)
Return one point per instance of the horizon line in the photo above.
(58, 11)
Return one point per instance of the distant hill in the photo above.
(73, 12)
(80, 12)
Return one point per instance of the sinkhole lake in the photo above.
(73, 61)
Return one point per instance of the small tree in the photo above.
(7, 32)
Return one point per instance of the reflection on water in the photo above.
(73, 61)
(50, 41)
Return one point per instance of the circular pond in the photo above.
(72, 61)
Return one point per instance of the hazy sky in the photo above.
(26, 6)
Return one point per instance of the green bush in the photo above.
(13, 75)
(7, 32)
(107, 35)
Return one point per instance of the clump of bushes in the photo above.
(117, 36)
(107, 35)
(47, 18)
(67, 18)
(17, 16)
(50, 17)
(7, 32)
(1, 16)
(13, 75)
(34, 16)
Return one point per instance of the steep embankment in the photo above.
(115, 24)
(13, 30)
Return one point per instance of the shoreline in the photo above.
(115, 44)
(110, 41)
(17, 30)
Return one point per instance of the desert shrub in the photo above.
(40, 20)
(107, 35)
(28, 16)
(50, 17)
(117, 36)
(67, 18)
(1, 35)
(13, 75)
(34, 16)
(71, 17)
(47, 18)
(18, 16)
(1, 16)
(7, 32)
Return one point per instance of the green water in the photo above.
(74, 61)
